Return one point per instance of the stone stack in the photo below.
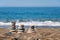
(13, 27)
(31, 30)
(21, 29)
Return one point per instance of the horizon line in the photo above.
(32, 6)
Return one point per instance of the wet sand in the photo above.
(41, 34)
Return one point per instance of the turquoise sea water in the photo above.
(30, 13)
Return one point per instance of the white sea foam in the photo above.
(36, 23)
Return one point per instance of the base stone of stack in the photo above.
(20, 31)
(12, 30)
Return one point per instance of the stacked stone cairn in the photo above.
(31, 30)
(13, 27)
(21, 29)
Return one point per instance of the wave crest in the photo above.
(35, 23)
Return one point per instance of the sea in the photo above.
(39, 16)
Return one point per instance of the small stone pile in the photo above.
(31, 30)
(21, 29)
(13, 27)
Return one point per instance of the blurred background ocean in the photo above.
(30, 13)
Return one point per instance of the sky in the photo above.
(29, 3)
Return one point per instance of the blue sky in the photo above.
(29, 3)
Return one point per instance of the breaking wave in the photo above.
(35, 23)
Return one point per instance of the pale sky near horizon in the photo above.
(29, 3)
